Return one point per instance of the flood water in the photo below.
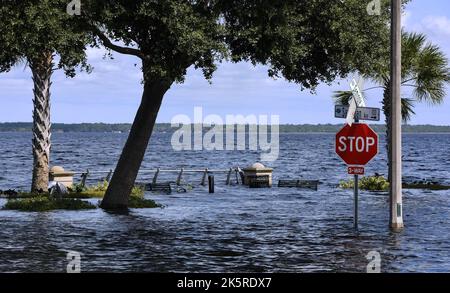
(236, 229)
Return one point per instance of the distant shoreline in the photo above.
(166, 127)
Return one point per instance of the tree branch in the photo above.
(408, 80)
(107, 43)
(372, 88)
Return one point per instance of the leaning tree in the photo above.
(37, 33)
(425, 71)
(304, 41)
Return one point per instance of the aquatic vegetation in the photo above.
(44, 203)
(379, 183)
(139, 202)
(34, 202)
(97, 191)
(370, 183)
(426, 185)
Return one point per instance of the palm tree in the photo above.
(35, 32)
(42, 69)
(424, 69)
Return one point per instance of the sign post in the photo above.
(355, 202)
(357, 145)
(355, 196)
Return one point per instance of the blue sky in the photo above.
(112, 92)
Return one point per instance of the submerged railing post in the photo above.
(237, 176)
(155, 177)
(84, 177)
(205, 174)
(180, 176)
(229, 176)
(108, 177)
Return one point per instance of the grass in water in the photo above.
(31, 202)
(44, 203)
(98, 191)
(371, 183)
(379, 183)
(139, 202)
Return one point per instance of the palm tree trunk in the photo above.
(127, 168)
(42, 69)
(387, 113)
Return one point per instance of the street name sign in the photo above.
(356, 101)
(361, 113)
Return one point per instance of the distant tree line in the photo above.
(166, 127)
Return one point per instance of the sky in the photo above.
(112, 92)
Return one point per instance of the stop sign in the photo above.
(357, 144)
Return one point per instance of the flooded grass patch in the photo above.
(370, 183)
(33, 202)
(428, 186)
(379, 183)
(45, 203)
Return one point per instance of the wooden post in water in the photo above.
(211, 183)
(396, 214)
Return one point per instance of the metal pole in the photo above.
(229, 176)
(355, 218)
(356, 194)
(396, 217)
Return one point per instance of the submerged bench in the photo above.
(159, 187)
(311, 184)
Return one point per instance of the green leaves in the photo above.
(306, 42)
(29, 28)
(425, 69)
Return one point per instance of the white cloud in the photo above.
(406, 17)
(437, 24)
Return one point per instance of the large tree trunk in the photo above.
(387, 114)
(127, 168)
(42, 69)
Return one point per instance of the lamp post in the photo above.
(396, 213)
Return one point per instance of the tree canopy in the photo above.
(306, 42)
(30, 27)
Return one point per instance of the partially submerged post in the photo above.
(155, 177)
(229, 176)
(180, 176)
(84, 177)
(396, 217)
(58, 174)
(108, 177)
(211, 183)
(258, 176)
(205, 174)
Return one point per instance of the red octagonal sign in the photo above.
(357, 144)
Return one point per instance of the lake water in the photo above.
(236, 229)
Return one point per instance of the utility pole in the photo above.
(396, 217)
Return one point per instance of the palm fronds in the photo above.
(407, 109)
(342, 97)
